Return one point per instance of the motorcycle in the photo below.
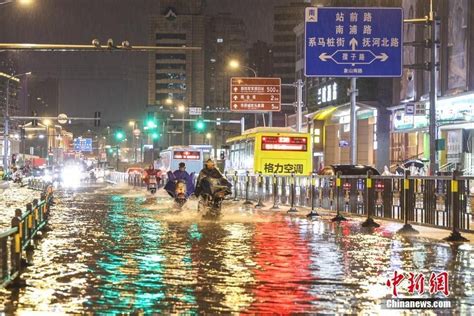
(152, 184)
(213, 193)
(180, 189)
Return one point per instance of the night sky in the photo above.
(105, 81)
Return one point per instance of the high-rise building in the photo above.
(286, 17)
(43, 96)
(261, 58)
(226, 40)
(176, 74)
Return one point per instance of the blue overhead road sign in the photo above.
(83, 144)
(353, 42)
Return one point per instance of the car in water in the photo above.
(347, 170)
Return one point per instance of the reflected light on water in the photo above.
(117, 250)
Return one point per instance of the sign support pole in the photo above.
(270, 119)
(353, 93)
(299, 105)
(433, 129)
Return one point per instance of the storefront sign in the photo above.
(454, 150)
(459, 109)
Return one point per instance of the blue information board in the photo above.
(83, 144)
(353, 42)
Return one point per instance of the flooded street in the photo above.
(122, 250)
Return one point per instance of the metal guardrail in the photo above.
(20, 237)
(445, 202)
(134, 179)
(37, 184)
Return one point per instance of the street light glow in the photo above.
(169, 101)
(181, 108)
(234, 64)
(25, 2)
(131, 123)
(47, 122)
(208, 135)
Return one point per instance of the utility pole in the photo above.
(433, 67)
(6, 134)
(353, 94)
(299, 84)
(299, 105)
(433, 128)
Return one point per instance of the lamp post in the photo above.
(6, 143)
(22, 2)
(182, 110)
(234, 64)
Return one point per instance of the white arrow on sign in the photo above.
(235, 98)
(324, 57)
(235, 106)
(382, 57)
(236, 89)
(353, 43)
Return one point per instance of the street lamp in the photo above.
(182, 110)
(6, 143)
(235, 64)
(21, 2)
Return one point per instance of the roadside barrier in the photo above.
(37, 184)
(437, 201)
(25, 228)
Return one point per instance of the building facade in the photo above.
(177, 75)
(226, 39)
(261, 58)
(455, 81)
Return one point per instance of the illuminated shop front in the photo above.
(455, 118)
(331, 133)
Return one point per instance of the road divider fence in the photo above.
(26, 226)
(442, 201)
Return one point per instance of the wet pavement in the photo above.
(13, 196)
(121, 250)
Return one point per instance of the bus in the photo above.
(270, 150)
(191, 156)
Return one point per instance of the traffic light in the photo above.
(34, 123)
(119, 135)
(151, 123)
(97, 116)
(200, 125)
(155, 135)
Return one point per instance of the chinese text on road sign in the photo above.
(83, 144)
(255, 94)
(353, 42)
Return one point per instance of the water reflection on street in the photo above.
(123, 250)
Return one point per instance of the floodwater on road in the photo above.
(122, 250)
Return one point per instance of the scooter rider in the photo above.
(210, 171)
(151, 171)
(181, 173)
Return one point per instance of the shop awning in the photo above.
(324, 113)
